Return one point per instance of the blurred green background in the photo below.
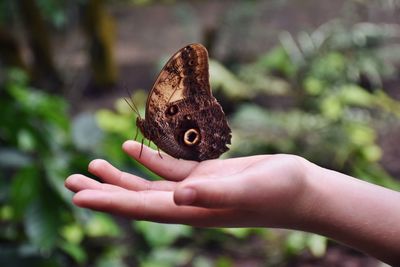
(320, 79)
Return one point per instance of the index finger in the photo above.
(166, 166)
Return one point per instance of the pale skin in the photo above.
(281, 191)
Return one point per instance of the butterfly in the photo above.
(182, 116)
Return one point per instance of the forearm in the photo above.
(357, 213)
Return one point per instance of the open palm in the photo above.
(248, 191)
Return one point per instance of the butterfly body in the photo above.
(182, 116)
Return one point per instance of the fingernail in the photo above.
(126, 144)
(185, 196)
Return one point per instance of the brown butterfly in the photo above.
(182, 116)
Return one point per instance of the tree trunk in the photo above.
(100, 30)
(44, 71)
(10, 52)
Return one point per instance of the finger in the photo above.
(226, 192)
(109, 174)
(168, 167)
(78, 182)
(157, 206)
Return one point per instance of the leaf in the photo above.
(277, 60)
(224, 262)
(372, 153)
(115, 123)
(386, 103)
(167, 257)
(75, 251)
(112, 256)
(17, 76)
(41, 225)
(238, 232)
(158, 235)
(317, 244)
(313, 86)
(351, 94)
(56, 170)
(259, 83)
(374, 173)
(360, 134)
(201, 261)
(222, 79)
(49, 108)
(331, 107)
(26, 141)
(86, 134)
(24, 189)
(23, 255)
(101, 224)
(13, 158)
(107, 262)
(73, 233)
(295, 242)
(6, 213)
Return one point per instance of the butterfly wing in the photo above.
(182, 116)
(185, 74)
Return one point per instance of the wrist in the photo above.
(293, 209)
(308, 200)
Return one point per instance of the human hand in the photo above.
(282, 191)
(265, 190)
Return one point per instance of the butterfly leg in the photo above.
(158, 149)
(141, 148)
(137, 132)
(159, 153)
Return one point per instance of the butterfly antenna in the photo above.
(133, 107)
(131, 104)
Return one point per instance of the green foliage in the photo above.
(333, 120)
(167, 257)
(37, 153)
(54, 11)
(6, 8)
(296, 242)
(148, 2)
(279, 61)
(29, 117)
(162, 235)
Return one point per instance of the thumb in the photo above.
(227, 192)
